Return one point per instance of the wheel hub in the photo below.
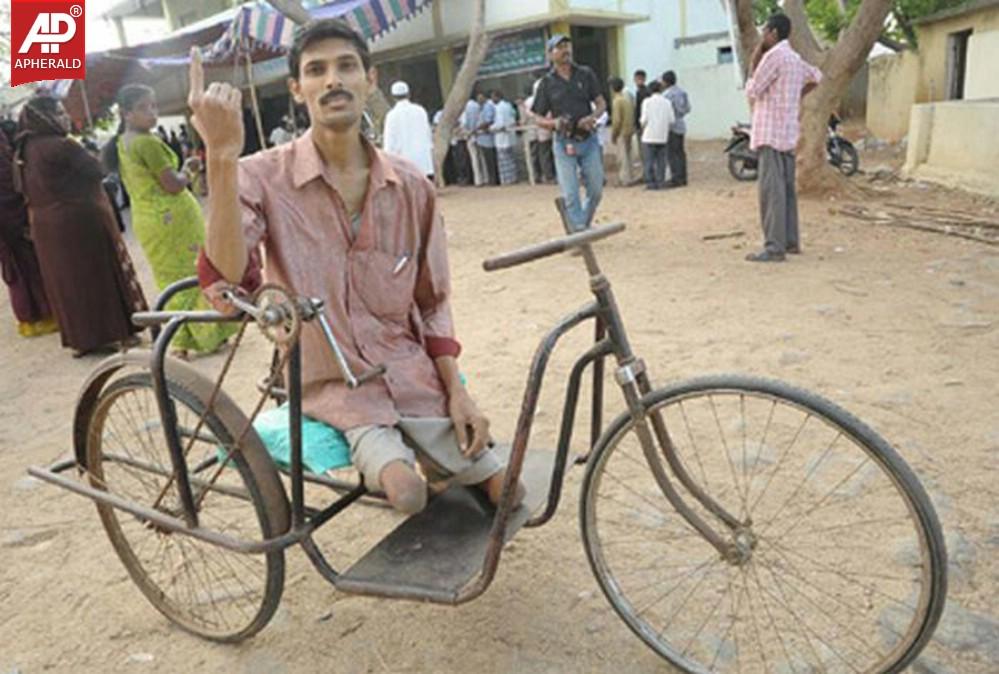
(740, 550)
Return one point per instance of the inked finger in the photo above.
(234, 97)
(196, 75)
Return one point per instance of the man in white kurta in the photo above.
(407, 131)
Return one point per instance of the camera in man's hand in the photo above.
(571, 129)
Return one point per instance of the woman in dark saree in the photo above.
(18, 262)
(88, 274)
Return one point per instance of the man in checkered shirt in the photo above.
(779, 78)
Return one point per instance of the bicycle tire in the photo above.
(931, 593)
(144, 467)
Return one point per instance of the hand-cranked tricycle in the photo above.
(733, 523)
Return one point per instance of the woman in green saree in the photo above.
(165, 215)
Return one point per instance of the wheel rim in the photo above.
(837, 570)
(206, 589)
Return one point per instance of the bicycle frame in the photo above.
(610, 340)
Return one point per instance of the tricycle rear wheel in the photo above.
(205, 589)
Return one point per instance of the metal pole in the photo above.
(596, 412)
(295, 434)
(86, 104)
(527, 155)
(253, 100)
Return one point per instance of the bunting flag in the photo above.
(262, 27)
(372, 18)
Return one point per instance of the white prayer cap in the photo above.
(400, 88)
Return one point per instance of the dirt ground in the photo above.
(901, 327)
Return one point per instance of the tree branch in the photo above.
(464, 82)
(802, 38)
(856, 41)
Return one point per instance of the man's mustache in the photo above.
(337, 93)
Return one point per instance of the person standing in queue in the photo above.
(779, 79)
(571, 92)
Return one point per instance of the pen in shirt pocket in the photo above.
(400, 263)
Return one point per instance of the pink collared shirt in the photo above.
(774, 92)
(386, 291)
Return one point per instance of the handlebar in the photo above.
(551, 247)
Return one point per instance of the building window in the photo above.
(725, 55)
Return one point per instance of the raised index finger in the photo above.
(196, 77)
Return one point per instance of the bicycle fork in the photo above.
(655, 439)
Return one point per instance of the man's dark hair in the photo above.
(325, 29)
(639, 73)
(616, 84)
(669, 78)
(780, 23)
(656, 86)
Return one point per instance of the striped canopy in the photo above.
(262, 27)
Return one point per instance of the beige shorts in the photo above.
(431, 441)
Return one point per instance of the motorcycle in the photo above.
(743, 161)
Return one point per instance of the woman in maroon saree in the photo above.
(87, 271)
(18, 262)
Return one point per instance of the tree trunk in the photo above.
(840, 65)
(747, 36)
(464, 81)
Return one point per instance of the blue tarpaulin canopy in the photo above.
(257, 31)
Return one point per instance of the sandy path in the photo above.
(900, 327)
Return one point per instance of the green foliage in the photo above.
(762, 9)
(828, 20)
(907, 11)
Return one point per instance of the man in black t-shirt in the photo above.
(571, 92)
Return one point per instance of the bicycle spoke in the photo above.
(805, 479)
(735, 636)
(728, 455)
(780, 463)
(868, 648)
(822, 500)
(704, 623)
(209, 589)
(770, 615)
(759, 450)
(815, 565)
(693, 446)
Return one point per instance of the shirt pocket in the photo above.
(384, 282)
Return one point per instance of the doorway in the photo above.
(957, 63)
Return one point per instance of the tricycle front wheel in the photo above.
(837, 563)
(208, 590)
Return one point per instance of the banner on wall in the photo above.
(510, 54)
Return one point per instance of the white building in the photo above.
(615, 37)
